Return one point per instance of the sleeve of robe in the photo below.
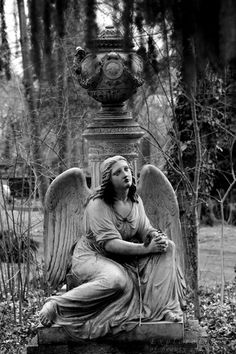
(98, 221)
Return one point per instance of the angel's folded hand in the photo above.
(159, 236)
(160, 233)
(161, 241)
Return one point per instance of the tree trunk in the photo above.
(231, 94)
(62, 109)
(189, 230)
(189, 198)
(62, 87)
(30, 97)
(228, 53)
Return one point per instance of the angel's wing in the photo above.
(63, 224)
(161, 205)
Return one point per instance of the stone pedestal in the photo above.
(112, 132)
(153, 337)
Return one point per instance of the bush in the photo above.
(17, 248)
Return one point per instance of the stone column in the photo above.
(111, 76)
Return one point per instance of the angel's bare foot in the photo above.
(173, 317)
(48, 313)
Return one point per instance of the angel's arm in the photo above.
(126, 248)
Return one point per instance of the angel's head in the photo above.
(110, 169)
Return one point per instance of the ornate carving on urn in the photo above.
(112, 75)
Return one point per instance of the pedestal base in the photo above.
(153, 337)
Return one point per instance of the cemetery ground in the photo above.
(19, 317)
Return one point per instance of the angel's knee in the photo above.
(117, 280)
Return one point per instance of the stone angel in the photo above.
(125, 265)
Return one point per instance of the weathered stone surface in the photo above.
(152, 331)
(162, 347)
(146, 332)
(149, 338)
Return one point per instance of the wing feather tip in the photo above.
(74, 176)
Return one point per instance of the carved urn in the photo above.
(111, 74)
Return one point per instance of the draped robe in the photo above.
(114, 292)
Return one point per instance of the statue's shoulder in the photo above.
(139, 199)
(97, 204)
(139, 202)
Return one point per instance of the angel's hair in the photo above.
(106, 190)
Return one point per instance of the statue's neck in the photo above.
(122, 196)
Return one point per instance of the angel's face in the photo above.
(121, 176)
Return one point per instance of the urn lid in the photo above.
(112, 39)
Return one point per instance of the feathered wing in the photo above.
(64, 208)
(161, 205)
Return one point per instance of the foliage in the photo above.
(214, 138)
(21, 281)
(214, 117)
(16, 334)
(220, 319)
(20, 222)
(16, 248)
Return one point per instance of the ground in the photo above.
(209, 254)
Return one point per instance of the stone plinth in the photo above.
(112, 132)
(149, 331)
(154, 337)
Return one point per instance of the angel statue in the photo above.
(124, 270)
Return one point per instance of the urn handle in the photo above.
(79, 56)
